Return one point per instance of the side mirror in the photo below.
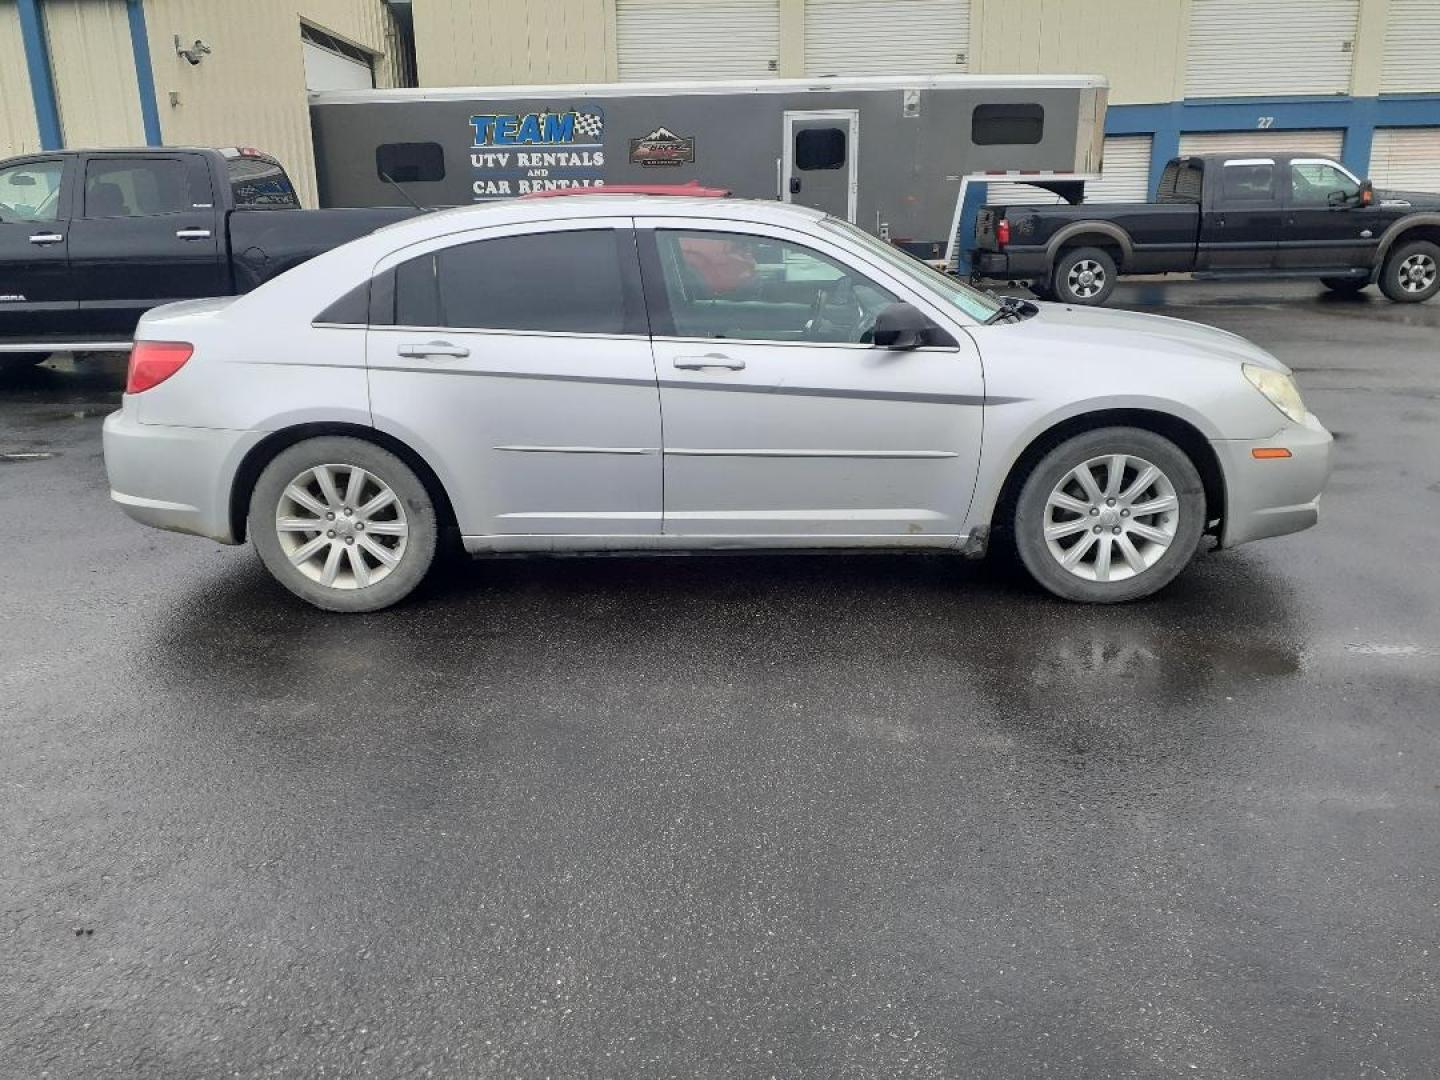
(1367, 193)
(901, 326)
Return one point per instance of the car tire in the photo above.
(317, 544)
(1083, 276)
(1055, 511)
(1345, 286)
(1411, 273)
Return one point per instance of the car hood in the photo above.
(1420, 200)
(1070, 327)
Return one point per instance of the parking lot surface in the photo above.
(869, 816)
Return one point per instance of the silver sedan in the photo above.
(622, 373)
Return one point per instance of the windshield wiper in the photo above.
(1012, 309)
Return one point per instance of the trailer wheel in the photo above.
(1411, 273)
(1083, 276)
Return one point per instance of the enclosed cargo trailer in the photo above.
(890, 154)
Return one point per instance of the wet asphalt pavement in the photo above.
(733, 817)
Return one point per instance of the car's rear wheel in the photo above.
(1083, 276)
(1345, 286)
(1109, 515)
(343, 524)
(1411, 272)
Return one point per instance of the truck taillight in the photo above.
(1002, 232)
(152, 362)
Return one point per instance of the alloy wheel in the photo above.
(341, 526)
(1417, 272)
(1086, 278)
(1111, 518)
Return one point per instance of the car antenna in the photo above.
(403, 193)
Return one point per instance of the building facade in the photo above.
(1358, 79)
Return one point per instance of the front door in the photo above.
(819, 160)
(1325, 225)
(146, 235)
(516, 359)
(781, 419)
(37, 297)
(1240, 221)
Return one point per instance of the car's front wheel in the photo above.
(1411, 272)
(343, 523)
(1109, 515)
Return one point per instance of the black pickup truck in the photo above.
(1251, 215)
(91, 239)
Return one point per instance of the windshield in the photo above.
(974, 303)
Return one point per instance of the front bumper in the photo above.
(174, 478)
(1273, 496)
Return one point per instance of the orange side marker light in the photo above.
(1264, 452)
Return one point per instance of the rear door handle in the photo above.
(713, 360)
(43, 238)
(432, 348)
(193, 234)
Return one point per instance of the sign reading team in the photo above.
(573, 154)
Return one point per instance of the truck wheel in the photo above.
(1083, 276)
(343, 523)
(1345, 286)
(1109, 515)
(1411, 273)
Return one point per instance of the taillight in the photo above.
(152, 362)
(1002, 232)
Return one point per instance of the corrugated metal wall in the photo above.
(887, 37)
(1412, 47)
(93, 67)
(1324, 143)
(1406, 159)
(494, 42)
(18, 133)
(697, 39)
(1240, 47)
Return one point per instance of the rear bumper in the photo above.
(1273, 496)
(174, 478)
(1010, 264)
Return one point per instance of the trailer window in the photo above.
(820, 148)
(410, 162)
(1007, 125)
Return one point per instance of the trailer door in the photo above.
(818, 161)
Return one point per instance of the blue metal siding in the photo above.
(42, 85)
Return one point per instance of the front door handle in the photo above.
(43, 238)
(713, 360)
(193, 234)
(432, 348)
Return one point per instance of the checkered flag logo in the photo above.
(589, 125)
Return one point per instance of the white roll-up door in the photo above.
(887, 37)
(1125, 177)
(659, 40)
(326, 70)
(1245, 47)
(1412, 47)
(1324, 143)
(1406, 159)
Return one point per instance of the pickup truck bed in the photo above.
(91, 239)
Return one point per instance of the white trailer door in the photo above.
(1412, 45)
(1406, 159)
(1242, 47)
(887, 37)
(660, 40)
(1321, 143)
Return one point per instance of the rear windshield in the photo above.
(952, 290)
(260, 184)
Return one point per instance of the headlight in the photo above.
(1279, 389)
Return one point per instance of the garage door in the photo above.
(94, 70)
(332, 64)
(1325, 143)
(1412, 44)
(887, 37)
(1406, 159)
(663, 40)
(1241, 47)
(1125, 177)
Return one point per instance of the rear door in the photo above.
(516, 359)
(820, 160)
(1240, 221)
(145, 235)
(1325, 225)
(37, 296)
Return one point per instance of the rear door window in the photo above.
(553, 282)
(142, 187)
(1248, 181)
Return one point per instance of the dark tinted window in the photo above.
(1247, 183)
(259, 183)
(820, 148)
(132, 187)
(992, 125)
(410, 162)
(351, 309)
(1181, 182)
(560, 282)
